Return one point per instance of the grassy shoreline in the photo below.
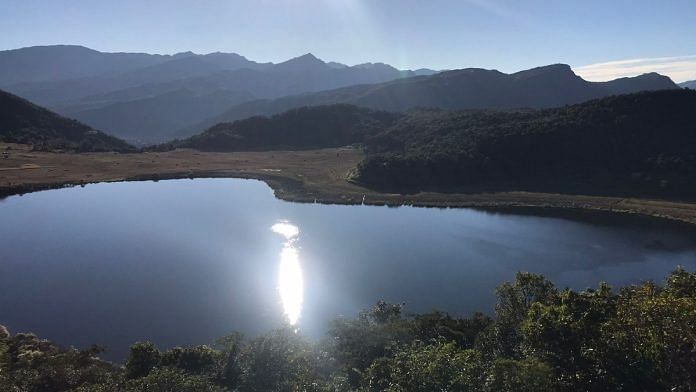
(299, 176)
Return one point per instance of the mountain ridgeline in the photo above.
(23, 122)
(148, 99)
(543, 87)
(167, 94)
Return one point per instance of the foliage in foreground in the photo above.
(642, 338)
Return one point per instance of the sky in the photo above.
(599, 39)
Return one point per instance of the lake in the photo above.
(183, 262)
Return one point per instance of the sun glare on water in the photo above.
(290, 282)
(287, 230)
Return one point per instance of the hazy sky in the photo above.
(631, 36)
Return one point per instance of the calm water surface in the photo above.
(186, 261)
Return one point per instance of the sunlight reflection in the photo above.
(287, 230)
(290, 282)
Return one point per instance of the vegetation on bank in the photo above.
(641, 338)
(23, 122)
(637, 144)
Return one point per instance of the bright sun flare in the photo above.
(287, 230)
(290, 282)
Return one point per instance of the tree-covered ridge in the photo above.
(638, 143)
(23, 122)
(303, 128)
(641, 338)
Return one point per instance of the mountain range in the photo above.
(146, 98)
(472, 88)
(93, 86)
(689, 84)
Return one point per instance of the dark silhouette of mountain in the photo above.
(60, 62)
(472, 88)
(155, 119)
(94, 86)
(23, 122)
(62, 93)
(75, 74)
(690, 84)
(642, 143)
(303, 128)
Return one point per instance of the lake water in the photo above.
(185, 261)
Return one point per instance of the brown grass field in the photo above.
(302, 176)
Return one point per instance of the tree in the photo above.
(514, 301)
(507, 375)
(278, 361)
(420, 367)
(142, 359)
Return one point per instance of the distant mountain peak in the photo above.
(374, 66)
(225, 54)
(306, 62)
(184, 54)
(563, 71)
(547, 68)
(308, 56)
(651, 75)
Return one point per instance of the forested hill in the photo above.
(472, 88)
(303, 128)
(23, 122)
(638, 143)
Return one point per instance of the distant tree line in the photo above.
(304, 128)
(641, 338)
(643, 143)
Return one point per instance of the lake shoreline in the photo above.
(311, 176)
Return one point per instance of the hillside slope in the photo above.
(23, 122)
(643, 142)
(61, 62)
(303, 128)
